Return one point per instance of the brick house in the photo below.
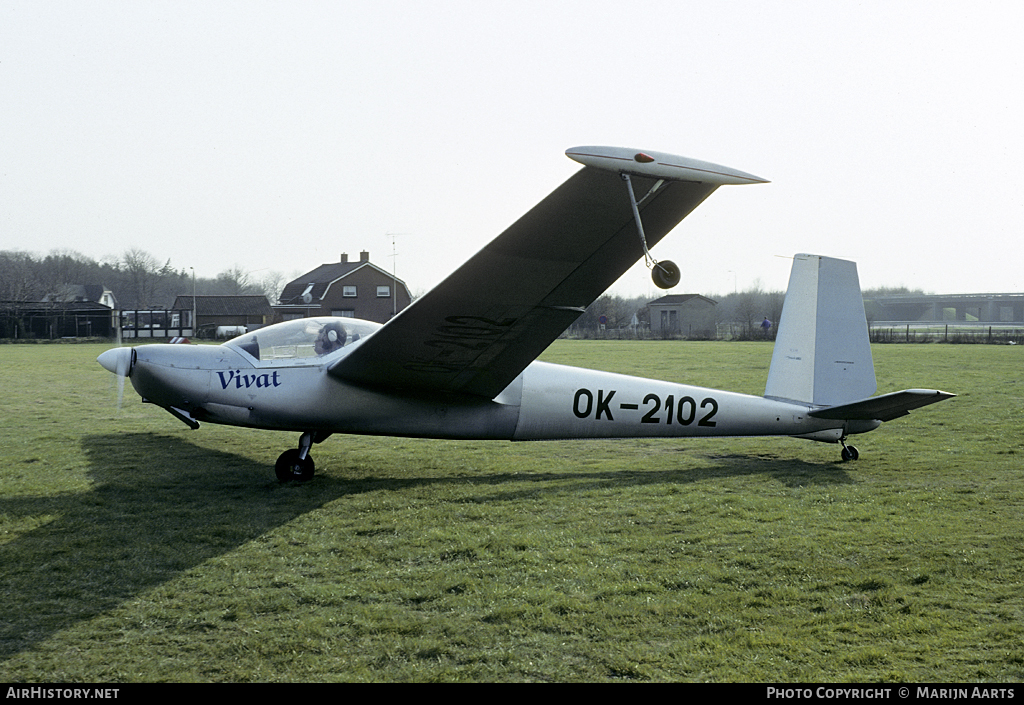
(352, 289)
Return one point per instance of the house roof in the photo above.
(53, 307)
(78, 292)
(226, 305)
(676, 299)
(322, 278)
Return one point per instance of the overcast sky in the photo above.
(274, 136)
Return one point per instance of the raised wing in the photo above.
(883, 408)
(480, 327)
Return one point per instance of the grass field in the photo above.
(134, 549)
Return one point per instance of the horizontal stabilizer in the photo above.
(883, 408)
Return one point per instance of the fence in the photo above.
(156, 323)
(960, 332)
(879, 332)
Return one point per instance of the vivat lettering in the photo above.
(267, 379)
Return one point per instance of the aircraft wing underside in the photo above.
(478, 329)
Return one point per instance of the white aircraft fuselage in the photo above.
(218, 384)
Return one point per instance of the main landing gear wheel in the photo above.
(291, 467)
(665, 274)
(296, 465)
(849, 453)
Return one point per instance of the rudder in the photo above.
(822, 353)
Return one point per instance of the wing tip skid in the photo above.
(659, 165)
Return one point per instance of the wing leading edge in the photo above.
(479, 328)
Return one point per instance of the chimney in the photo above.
(364, 256)
(344, 258)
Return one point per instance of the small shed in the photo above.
(66, 319)
(685, 315)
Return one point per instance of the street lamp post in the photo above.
(195, 328)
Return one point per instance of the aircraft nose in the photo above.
(117, 360)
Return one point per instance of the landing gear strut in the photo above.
(666, 274)
(296, 464)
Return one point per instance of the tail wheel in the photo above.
(291, 467)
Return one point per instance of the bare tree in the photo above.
(271, 284)
(62, 269)
(140, 269)
(17, 277)
(235, 281)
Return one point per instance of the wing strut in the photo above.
(665, 274)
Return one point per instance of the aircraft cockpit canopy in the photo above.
(303, 338)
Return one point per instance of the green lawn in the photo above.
(134, 549)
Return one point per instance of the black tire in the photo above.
(291, 468)
(666, 274)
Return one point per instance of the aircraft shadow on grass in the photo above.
(161, 506)
(789, 472)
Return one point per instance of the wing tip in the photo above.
(660, 165)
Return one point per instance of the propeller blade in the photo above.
(119, 361)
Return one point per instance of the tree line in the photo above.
(136, 278)
(742, 311)
(139, 281)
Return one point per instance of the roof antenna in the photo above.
(394, 272)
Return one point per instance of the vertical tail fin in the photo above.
(822, 354)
